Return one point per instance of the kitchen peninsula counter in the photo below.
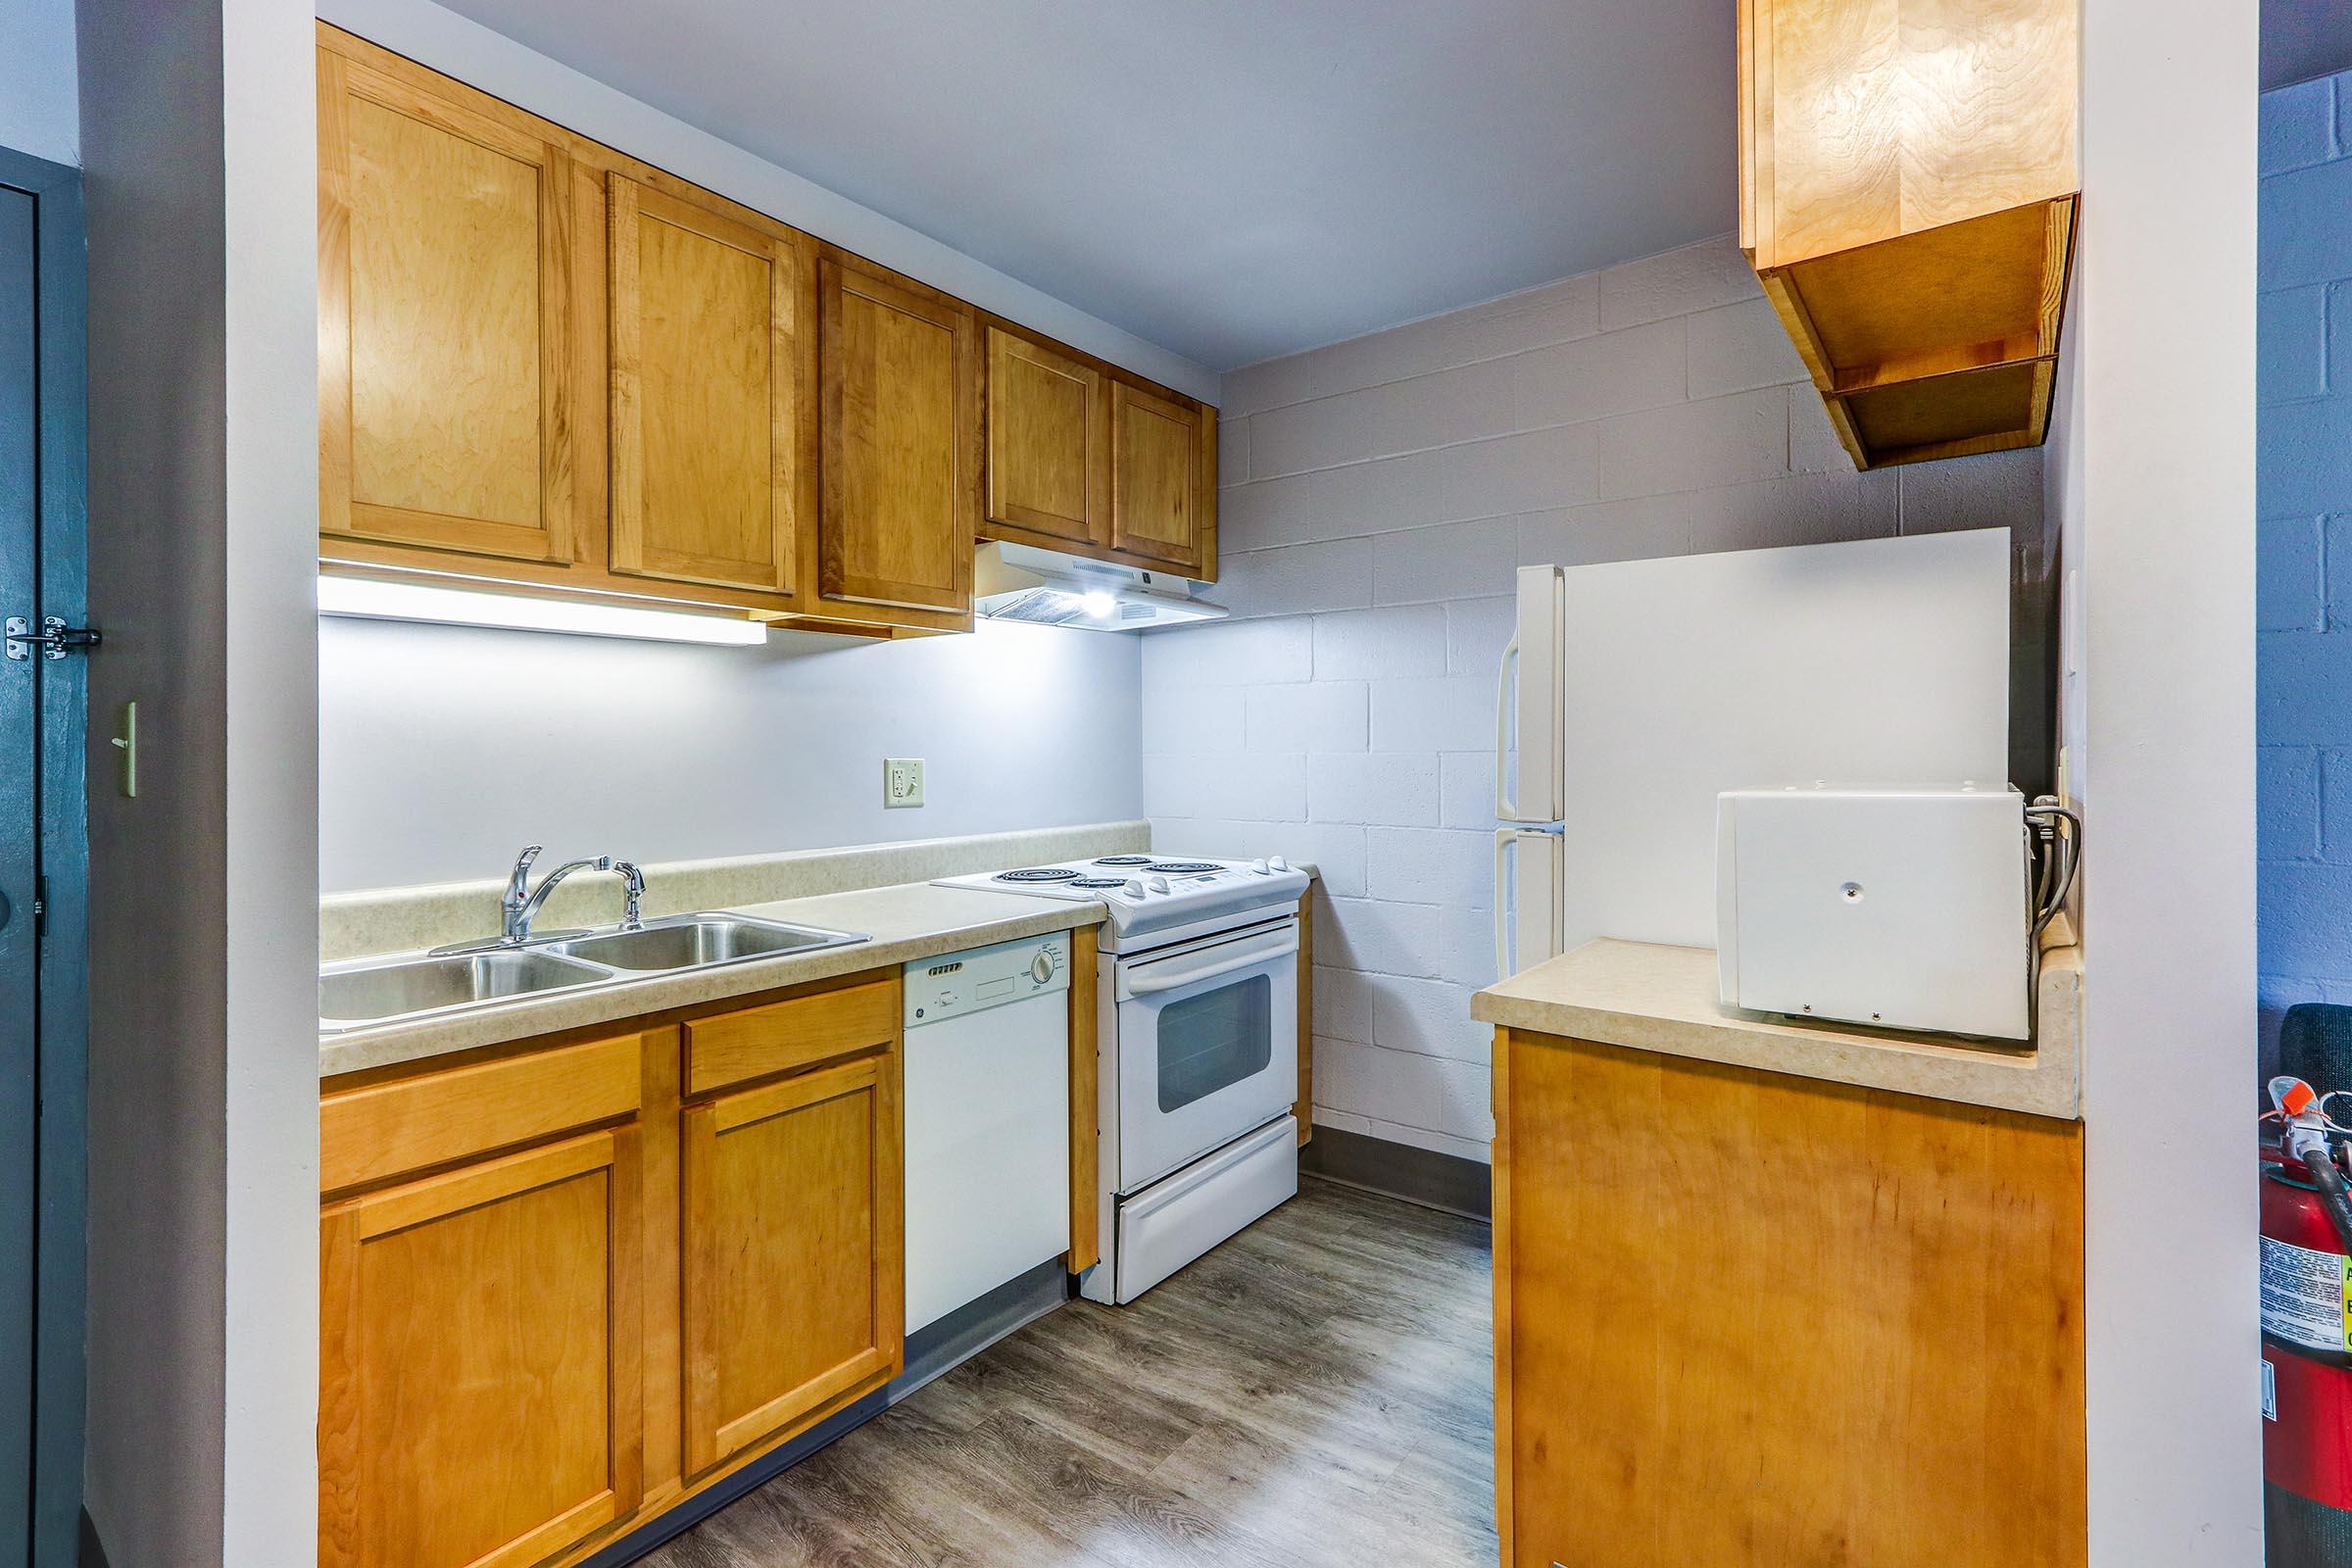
(1648, 996)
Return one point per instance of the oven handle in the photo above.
(1146, 979)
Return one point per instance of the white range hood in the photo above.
(1015, 582)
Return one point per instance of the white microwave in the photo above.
(1897, 906)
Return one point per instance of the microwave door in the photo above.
(1529, 897)
(1530, 770)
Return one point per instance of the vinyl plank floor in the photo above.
(1318, 1391)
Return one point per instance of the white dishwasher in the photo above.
(988, 1119)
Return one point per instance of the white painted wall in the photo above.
(444, 748)
(40, 108)
(2155, 484)
(438, 37)
(271, 656)
(1379, 495)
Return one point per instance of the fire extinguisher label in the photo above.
(2306, 1295)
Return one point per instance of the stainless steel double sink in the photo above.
(363, 992)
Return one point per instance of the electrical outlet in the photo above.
(901, 781)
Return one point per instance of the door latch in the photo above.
(54, 639)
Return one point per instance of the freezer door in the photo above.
(1530, 774)
(1528, 898)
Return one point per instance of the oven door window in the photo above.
(1214, 1040)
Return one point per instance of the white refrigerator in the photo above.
(1633, 692)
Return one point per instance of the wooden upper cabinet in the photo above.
(1048, 458)
(791, 1248)
(446, 403)
(1908, 176)
(1873, 118)
(713, 414)
(900, 373)
(1084, 460)
(480, 1357)
(1163, 482)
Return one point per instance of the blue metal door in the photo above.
(43, 863)
(19, 840)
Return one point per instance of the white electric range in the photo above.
(1197, 1039)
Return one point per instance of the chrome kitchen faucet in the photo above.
(516, 910)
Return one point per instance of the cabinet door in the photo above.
(1865, 120)
(714, 428)
(791, 1242)
(900, 420)
(480, 1357)
(1889, 1338)
(1048, 466)
(1158, 503)
(445, 402)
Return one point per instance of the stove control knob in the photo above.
(1135, 887)
(1262, 868)
(1277, 862)
(1158, 884)
(1041, 967)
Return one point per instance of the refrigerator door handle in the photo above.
(1505, 807)
(1504, 839)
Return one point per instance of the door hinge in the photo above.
(54, 639)
(40, 907)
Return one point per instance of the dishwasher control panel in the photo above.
(957, 983)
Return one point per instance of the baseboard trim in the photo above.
(1420, 1176)
(932, 1350)
(942, 1347)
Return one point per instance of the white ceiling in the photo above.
(1232, 179)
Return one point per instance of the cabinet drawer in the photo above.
(388, 1129)
(782, 1036)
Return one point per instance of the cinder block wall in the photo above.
(2304, 670)
(1378, 495)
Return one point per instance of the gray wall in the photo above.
(443, 749)
(197, 139)
(1379, 495)
(37, 111)
(152, 146)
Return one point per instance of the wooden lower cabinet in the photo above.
(480, 1393)
(555, 1297)
(1756, 1321)
(790, 1236)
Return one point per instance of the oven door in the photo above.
(1208, 1045)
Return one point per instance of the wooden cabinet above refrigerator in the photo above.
(1908, 176)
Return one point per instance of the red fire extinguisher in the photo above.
(2306, 1347)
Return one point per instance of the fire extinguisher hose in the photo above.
(2333, 1197)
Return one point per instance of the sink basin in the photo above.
(364, 992)
(697, 941)
(350, 995)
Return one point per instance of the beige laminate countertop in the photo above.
(904, 922)
(1666, 999)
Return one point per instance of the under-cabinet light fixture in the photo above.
(373, 598)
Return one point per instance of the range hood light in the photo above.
(373, 598)
(1046, 588)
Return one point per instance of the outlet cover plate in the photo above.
(901, 781)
